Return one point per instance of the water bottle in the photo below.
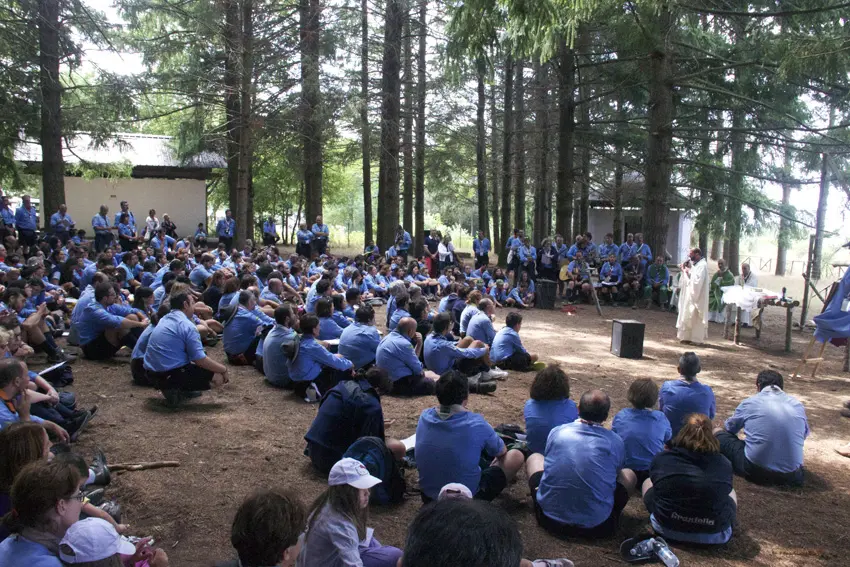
(643, 548)
(665, 554)
(783, 295)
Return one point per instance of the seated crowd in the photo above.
(309, 325)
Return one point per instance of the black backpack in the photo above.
(377, 458)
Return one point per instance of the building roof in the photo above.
(139, 150)
(632, 194)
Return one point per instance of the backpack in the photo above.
(373, 453)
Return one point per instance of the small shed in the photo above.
(601, 216)
(158, 179)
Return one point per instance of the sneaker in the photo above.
(95, 495)
(313, 394)
(76, 426)
(498, 373)
(61, 356)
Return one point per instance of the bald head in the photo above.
(407, 326)
(275, 285)
(594, 406)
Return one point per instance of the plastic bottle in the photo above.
(665, 554)
(643, 548)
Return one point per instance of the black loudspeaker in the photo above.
(546, 291)
(627, 338)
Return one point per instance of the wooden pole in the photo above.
(805, 310)
(737, 331)
(122, 467)
(788, 320)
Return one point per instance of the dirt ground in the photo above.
(248, 436)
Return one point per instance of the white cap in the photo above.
(353, 473)
(93, 539)
(455, 491)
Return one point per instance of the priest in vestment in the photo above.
(746, 279)
(692, 323)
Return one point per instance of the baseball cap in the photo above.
(92, 539)
(353, 473)
(455, 491)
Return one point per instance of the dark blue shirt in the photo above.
(349, 411)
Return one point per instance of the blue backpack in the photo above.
(373, 453)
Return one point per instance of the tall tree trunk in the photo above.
(519, 153)
(566, 131)
(297, 222)
(52, 163)
(618, 197)
(494, 169)
(716, 248)
(419, 208)
(388, 180)
(584, 94)
(407, 217)
(541, 228)
(310, 12)
(481, 151)
(736, 189)
(244, 218)
(232, 100)
(784, 237)
(823, 197)
(507, 135)
(660, 137)
(365, 131)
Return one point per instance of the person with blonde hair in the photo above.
(689, 492)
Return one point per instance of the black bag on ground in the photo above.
(377, 458)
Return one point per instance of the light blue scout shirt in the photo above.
(644, 433)
(8, 216)
(397, 316)
(466, 315)
(441, 353)
(199, 275)
(449, 447)
(269, 227)
(527, 254)
(26, 219)
(156, 243)
(580, 474)
(643, 249)
(275, 363)
(606, 250)
(542, 416)
(396, 355)
(359, 344)
(328, 329)
(406, 241)
(444, 303)
(174, 343)
(8, 416)
(320, 228)
(99, 221)
(516, 296)
(226, 227)
(776, 427)
(312, 357)
(480, 328)
(678, 399)
(94, 320)
(481, 247)
(627, 251)
(240, 331)
(142, 343)
(500, 295)
(341, 318)
(505, 343)
(615, 273)
(583, 269)
(59, 223)
(16, 550)
(304, 236)
(131, 219)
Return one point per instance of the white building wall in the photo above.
(184, 200)
(679, 227)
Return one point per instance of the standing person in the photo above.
(125, 208)
(528, 258)
(321, 232)
(692, 323)
(62, 224)
(151, 224)
(303, 239)
(337, 535)
(102, 231)
(270, 236)
(446, 252)
(432, 257)
(26, 219)
(746, 279)
(169, 227)
(721, 278)
(547, 260)
(126, 233)
(776, 426)
(481, 248)
(7, 215)
(403, 241)
(682, 397)
(226, 229)
(642, 251)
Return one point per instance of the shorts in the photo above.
(27, 237)
(603, 530)
(189, 378)
(493, 482)
(734, 449)
(100, 348)
(519, 361)
(414, 386)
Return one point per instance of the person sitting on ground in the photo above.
(644, 431)
(581, 486)
(398, 354)
(339, 314)
(359, 341)
(499, 294)
(550, 406)
(328, 328)
(274, 362)
(480, 326)
(348, 411)
(689, 492)
(137, 361)
(495, 541)
(507, 352)
(244, 330)
(686, 395)
(266, 529)
(336, 531)
(94, 542)
(46, 500)
(467, 356)
(473, 298)
(457, 445)
(519, 297)
(776, 428)
(175, 360)
(101, 333)
(321, 289)
(14, 382)
(400, 311)
(314, 368)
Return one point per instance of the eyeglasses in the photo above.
(79, 496)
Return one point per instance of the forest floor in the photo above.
(248, 436)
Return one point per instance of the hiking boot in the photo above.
(61, 356)
(76, 426)
(482, 388)
(312, 395)
(102, 476)
(113, 509)
(845, 413)
(94, 495)
(563, 562)
(172, 398)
